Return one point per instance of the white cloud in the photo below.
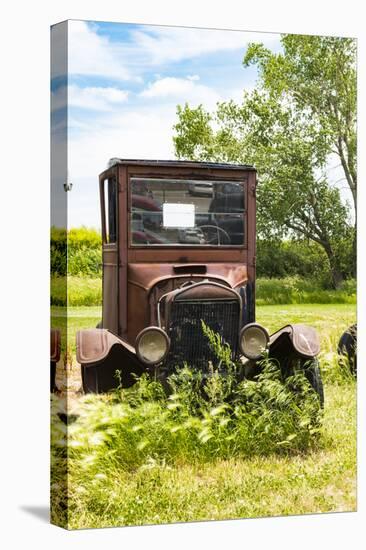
(91, 97)
(142, 133)
(181, 90)
(92, 54)
(139, 133)
(145, 129)
(96, 98)
(172, 44)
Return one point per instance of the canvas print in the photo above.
(203, 360)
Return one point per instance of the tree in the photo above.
(279, 133)
(318, 74)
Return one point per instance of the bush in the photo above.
(79, 251)
(302, 258)
(84, 237)
(76, 252)
(288, 271)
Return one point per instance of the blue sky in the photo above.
(124, 83)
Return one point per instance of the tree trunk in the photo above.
(337, 278)
(335, 271)
(354, 249)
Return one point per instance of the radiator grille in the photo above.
(188, 343)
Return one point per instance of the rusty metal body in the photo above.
(132, 274)
(55, 354)
(156, 275)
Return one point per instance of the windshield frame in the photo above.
(243, 181)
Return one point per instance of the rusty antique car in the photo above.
(173, 257)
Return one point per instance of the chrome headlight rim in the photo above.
(141, 335)
(242, 347)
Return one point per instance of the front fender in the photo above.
(294, 340)
(100, 354)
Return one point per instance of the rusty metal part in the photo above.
(148, 282)
(300, 338)
(101, 354)
(217, 306)
(347, 349)
(205, 290)
(130, 274)
(180, 164)
(55, 341)
(147, 275)
(55, 354)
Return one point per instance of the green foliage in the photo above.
(288, 127)
(77, 252)
(284, 258)
(296, 290)
(322, 480)
(85, 262)
(198, 419)
(318, 75)
(84, 291)
(58, 251)
(133, 430)
(84, 237)
(194, 133)
(175, 485)
(132, 427)
(80, 291)
(301, 258)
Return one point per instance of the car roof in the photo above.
(180, 163)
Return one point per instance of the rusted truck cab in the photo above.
(178, 251)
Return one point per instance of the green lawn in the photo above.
(320, 480)
(87, 291)
(329, 319)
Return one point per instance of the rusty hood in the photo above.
(147, 275)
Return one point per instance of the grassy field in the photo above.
(87, 291)
(323, 480)
(318, 478)
(329, 319)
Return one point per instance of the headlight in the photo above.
(253, 340)
(152, 345)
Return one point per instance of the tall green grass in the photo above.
(133, 430)
(320, 480)
(190, 419)
(80, 291)
(140, 455)
(297, 290)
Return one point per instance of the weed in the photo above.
(255, 448)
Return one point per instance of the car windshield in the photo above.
(186, 212)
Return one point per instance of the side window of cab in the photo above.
(109, 210)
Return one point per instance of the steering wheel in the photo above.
(215, 234)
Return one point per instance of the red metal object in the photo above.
(55, 354)
(148, 262)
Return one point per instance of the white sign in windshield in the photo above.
(178, 215)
